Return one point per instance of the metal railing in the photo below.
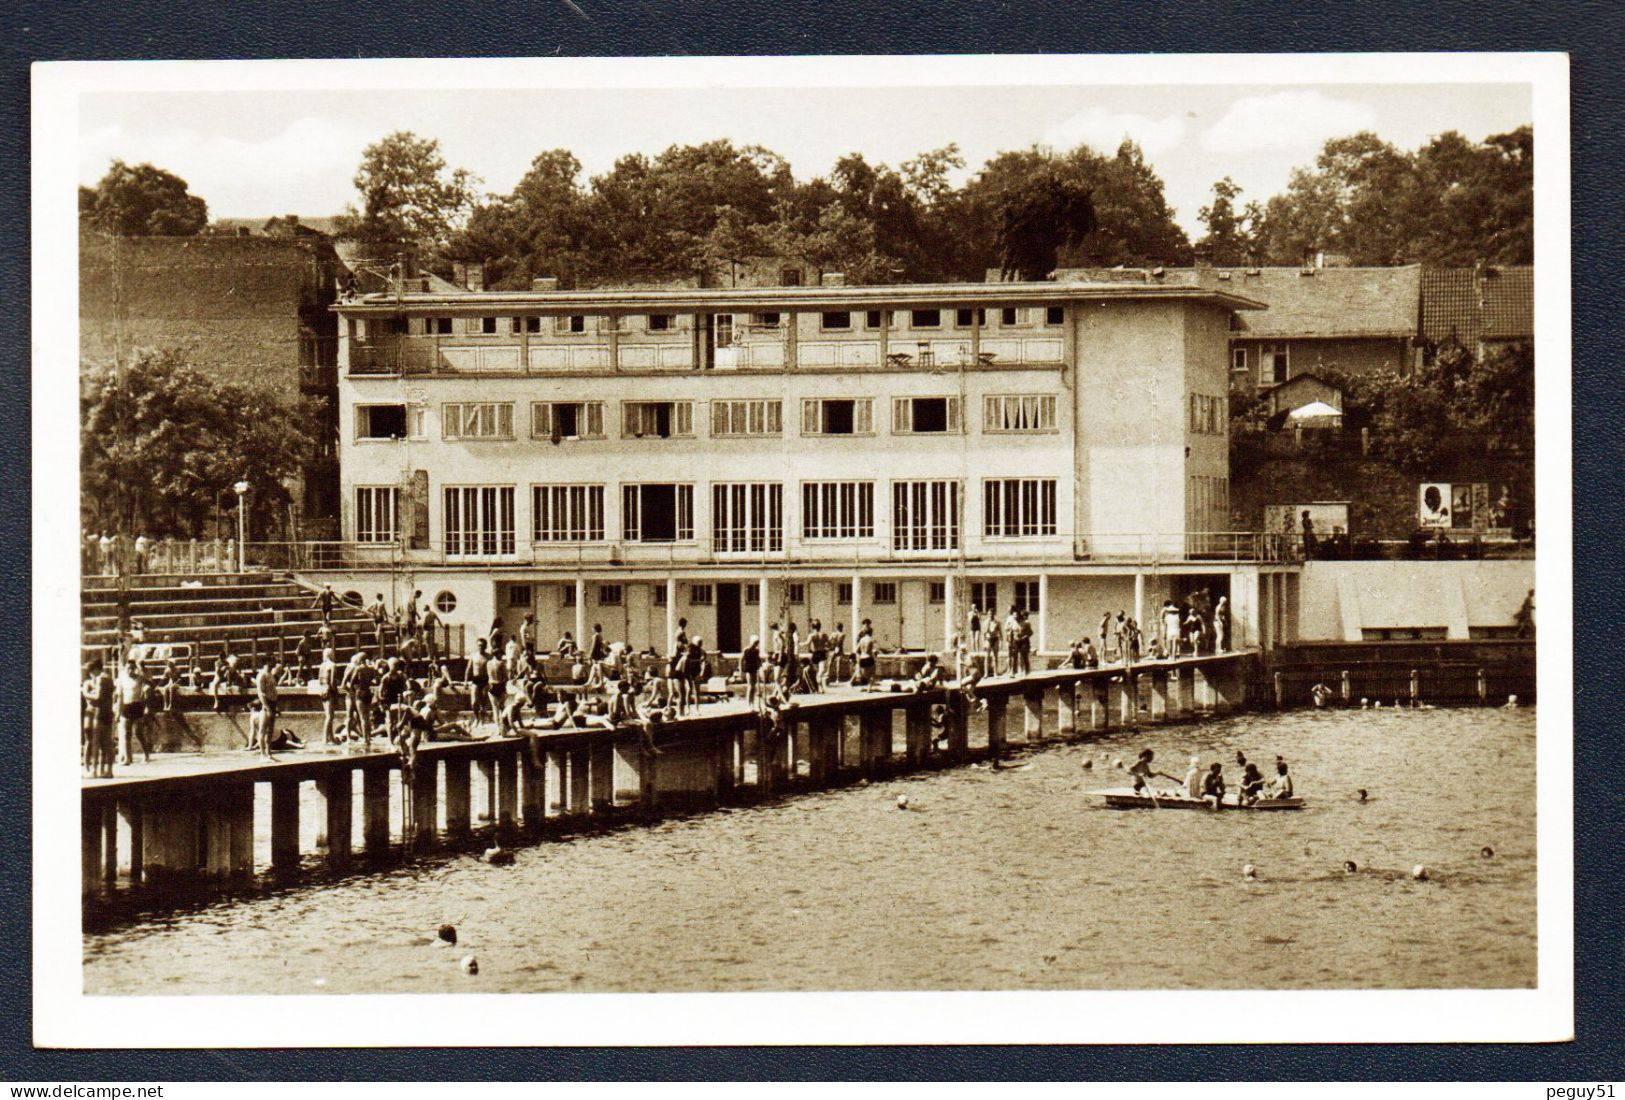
(121, 555)
(1125, 548)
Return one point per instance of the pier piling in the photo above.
(338, 796)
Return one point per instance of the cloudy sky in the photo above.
(255, 154)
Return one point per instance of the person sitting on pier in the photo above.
(1213, 786)
(965, 685)
(1252, 785)
(566, 646)
(930, 675)
(1142, 771)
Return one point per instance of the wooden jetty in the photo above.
(197, 829)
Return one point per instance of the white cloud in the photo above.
(1105, 130)
(310, 162)
(1286, 120)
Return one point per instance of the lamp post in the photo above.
(241, 488)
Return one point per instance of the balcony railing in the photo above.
(1128, 549)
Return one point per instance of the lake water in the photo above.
(992, 879)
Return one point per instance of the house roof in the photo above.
(1303, 303)
(1469, 304)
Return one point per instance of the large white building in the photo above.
(734, 457)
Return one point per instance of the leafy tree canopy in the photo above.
(410, 202)
(161, 444)
(142, 201)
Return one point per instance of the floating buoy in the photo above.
(1512, 701)
(447, 934)
(1419, 873)
(1118, 763)
(470, 964)
(498, 857)
(1088, 765)
(1249, 871)
(1349, 866)
(1361, 793)
(1365, 703)
(1377, 705)
(902, 802)
(1487, 852)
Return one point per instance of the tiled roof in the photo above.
(1329, 303)
(1473, 304)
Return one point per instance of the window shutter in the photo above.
(809, 416)
(595, 419)
(541, 420)
(451, 421)
(505, 421)
(629, 513)
(953, 414)
(900, 420)
(684, 417)
(863, 416)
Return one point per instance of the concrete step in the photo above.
(152, 609)
(234, 631)
(99, 583)
(248, 614)
(139, 597)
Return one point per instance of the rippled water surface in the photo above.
(991, 879)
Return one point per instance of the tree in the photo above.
(410, 202)
(161, 444)
(1229, 237)
(142, 201)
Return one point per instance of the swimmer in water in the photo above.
(1143, 772)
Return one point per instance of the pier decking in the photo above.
(190, 820)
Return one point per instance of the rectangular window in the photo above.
(659, 591)
(1274, 366)
(699, 595)
(488, 326)
(519, 596)
(609, 595)
(1018, 507)
(1026, 598)
(875, 319)
(1018, 412)
(562, 420)
(1011, 316)
(657, 513)
(966, 318)
(765, 320)
(662, 322)
(527, 324)
(724, 325)
(751, 594)
(837, 416)
(925, 515)
(920, 415)
(567, 513)
(838, 510)
(1238, 360)
(1207, 414)
(377, 513)
(985, 595)
(885, 592)
(936, 592)
(567, 595)
(570, 324)
(380, 421)
(925, 318)
(1055, 315)
(747, 517)
(795, 593)
(835, 322)
(437, 326)
(477, 420)
(478, 520)
(843, 593)
(656, 419)
(748, 417)
(790, 276)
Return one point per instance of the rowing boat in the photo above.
(1126, 798)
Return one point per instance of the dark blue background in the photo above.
(1591, 32)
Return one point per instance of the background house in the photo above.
(1480, 308)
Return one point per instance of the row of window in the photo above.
(725, 323)
(746, 517)
(984, 594)
(1274, 363)
(574, 420)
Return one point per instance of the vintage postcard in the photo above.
(803, 550)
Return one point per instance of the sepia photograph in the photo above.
(861, 526)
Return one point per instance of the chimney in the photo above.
(833, 278)
(459, 273)
(475, 277)
(545, 282)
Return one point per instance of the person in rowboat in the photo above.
(1213, 786)
(1143, 773)
(1281, 785)
(1193, 778)
(1252, 786)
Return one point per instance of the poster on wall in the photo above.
(1327, 518)
(1433, 504)
(1461, 504)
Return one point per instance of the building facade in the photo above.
(736, 457)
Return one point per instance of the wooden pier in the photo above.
(197, 830)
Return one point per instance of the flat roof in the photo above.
(913, 295)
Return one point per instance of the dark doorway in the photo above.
(709, 361)
(658, 508)
(728, 618)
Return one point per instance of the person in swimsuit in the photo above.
(1143, 772)
(1213, 786)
